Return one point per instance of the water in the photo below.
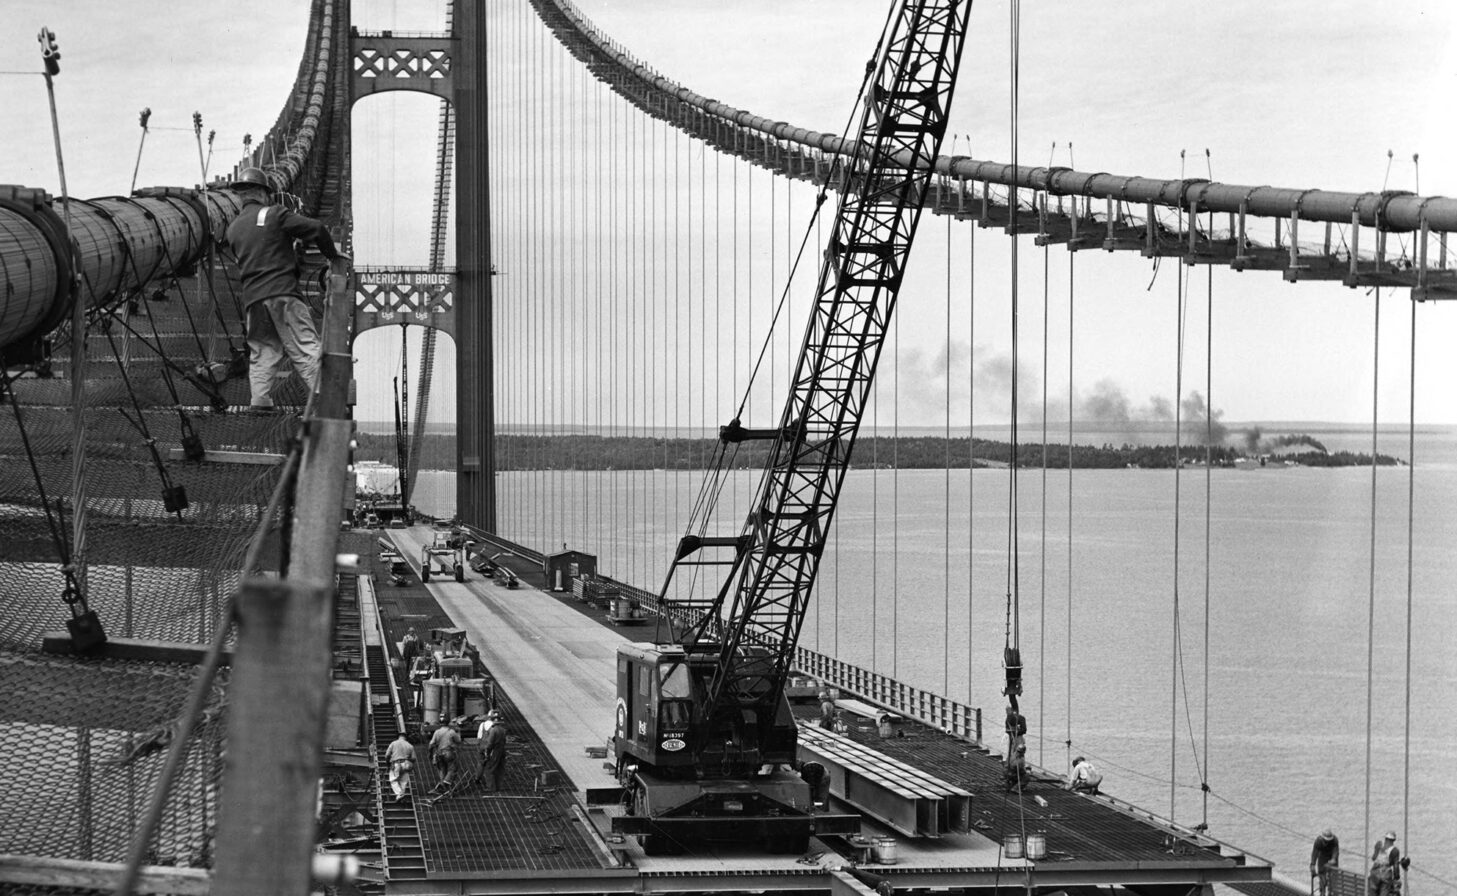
(916, 586)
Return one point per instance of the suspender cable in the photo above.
(946, 487)
(1042, 552)
(895, 499)
(1371, 574)
(1178, 464)
(1208, 500)
(1411, 463)
(970, 459)
(1068, 713)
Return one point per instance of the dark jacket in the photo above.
(1326, 851)
(262, 237)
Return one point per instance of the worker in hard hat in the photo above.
(279, 322)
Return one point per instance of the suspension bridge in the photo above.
(620, 265)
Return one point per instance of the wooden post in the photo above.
(281, 681)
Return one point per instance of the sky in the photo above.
(1312, 96)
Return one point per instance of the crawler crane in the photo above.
(704, 738)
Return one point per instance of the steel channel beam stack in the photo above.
(911, 801)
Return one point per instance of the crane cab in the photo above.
(688, 778)
(656, 705)
(662, 692)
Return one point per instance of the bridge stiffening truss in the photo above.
(388, 296)
(390, 60)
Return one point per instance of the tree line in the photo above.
(590, 452)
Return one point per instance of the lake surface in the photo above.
(916, 585)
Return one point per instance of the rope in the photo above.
(1178, 516)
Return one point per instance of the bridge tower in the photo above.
(451, 66)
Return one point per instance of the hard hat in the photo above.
(252, 177)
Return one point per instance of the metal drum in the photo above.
(1037, 845)
(433, 688)
(1012, 846)
(884, 850)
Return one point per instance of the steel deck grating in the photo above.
(470, 833)
(1079, 828)
(467, 837)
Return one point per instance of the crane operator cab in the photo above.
(687, 778)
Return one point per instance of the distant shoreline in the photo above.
(584, 452)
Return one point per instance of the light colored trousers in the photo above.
(281, 327)
(399, 780)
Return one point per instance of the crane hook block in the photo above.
(1012, 659)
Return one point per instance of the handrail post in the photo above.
(281, 683)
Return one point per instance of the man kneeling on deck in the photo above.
(1085, 777)
(1015, 774)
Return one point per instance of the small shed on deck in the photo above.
(565, 566)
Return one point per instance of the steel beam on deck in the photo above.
(909, 800)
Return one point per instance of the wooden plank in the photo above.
(231, 457)
(45, 871)
(59, 642)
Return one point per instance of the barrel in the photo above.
(883, 849)
(433, 688)
(1037, 845)
(1011, 845)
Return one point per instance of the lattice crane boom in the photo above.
(703, 730)
(901, 129)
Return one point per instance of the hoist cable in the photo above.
(1013, 621)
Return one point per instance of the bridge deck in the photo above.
(553, 663)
